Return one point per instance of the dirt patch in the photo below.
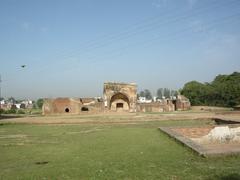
(109, 118)
(126, 118)
(193, 132)
(208, 141)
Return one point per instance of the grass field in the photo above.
(105, 151)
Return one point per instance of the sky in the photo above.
(71, 47)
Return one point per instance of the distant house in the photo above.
(26, 104)
(144, 100)
(154, 99)
(18, 106)
(2, 102)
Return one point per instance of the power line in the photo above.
(141, 28)
(172, 36)
(149, 27)
(146, 28)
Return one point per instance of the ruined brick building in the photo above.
(120, 96)
(117, 97)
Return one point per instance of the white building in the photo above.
(2, 102)
(144, 100)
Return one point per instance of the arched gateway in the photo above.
(120, 97)
(119, 102)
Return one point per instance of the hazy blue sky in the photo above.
(70, 47)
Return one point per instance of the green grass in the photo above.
(137, 151)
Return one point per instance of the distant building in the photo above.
(27, 104)
(2, 102)
(18, 106)
(144, 100)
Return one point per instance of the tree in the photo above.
(196, 92)
(166, 93)
(39, 103)
(142, 94)
(174, 93)
(160, 93)
(227, 89)
(223, 91)
(148, 94)
(12, 100)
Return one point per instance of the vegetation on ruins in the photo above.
(223, 91)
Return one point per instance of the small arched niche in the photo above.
(84, 108)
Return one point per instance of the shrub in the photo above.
(10, 111)
(2, 111)
(20, 111)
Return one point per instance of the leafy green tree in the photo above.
(196, 92)
(39, 103)
(223, 91)
(227, 89)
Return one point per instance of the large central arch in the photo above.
(120, 96)
(119, 102)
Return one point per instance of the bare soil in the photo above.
(124, 117)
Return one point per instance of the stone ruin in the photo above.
(117, 97)
(222, 134)
(208, 140)
(71, 106)
(120, 96)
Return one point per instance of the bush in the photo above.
(2, 111)
(40, 103)
(10, 111)
(20, 111)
